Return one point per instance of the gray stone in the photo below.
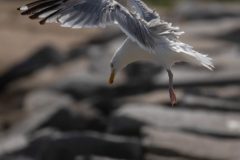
(68, 146)
(15, 158)
(204, 102)
(45, 56)
(50, 109)
(188, 78)
(232, 36)
(12, 142)
(196, 10)
(95, 158)
(189, 146)
(158, 157)
(82, 85)
(201, 122)
(127, 126)
(39, 107)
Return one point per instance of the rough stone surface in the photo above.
(202, 122)
(190, 146)
(42, 58)
(55, 146)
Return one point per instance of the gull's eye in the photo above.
(111, 64)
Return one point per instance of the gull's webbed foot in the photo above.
(171, 90)
(172, 96)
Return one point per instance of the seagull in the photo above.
(149, 38)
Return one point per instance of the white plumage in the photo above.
(149, 37)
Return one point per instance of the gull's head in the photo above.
(125, 55)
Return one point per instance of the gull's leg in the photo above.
(171, 90)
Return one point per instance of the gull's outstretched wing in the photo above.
(92, 13)
(147, 13)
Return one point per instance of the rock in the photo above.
(206, 38)
(58, 111)
(105, 106)
(40, 106)
(232, 36)
(77, 52)
(230, 94)
(75, 120)
(12, 142)
(57, 146)
(188, 146)
(195, 10)
(154, 97)
(121, 125)
(187, 78)
(200, 122)
(43, 57)
(43, 99)
(94, 87)
(95, 158)
(81, 86)
(183, 78)
(15, 158)
(158, 157)
(217, 104)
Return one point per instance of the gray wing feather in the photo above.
(147, 13)
(157, 25)
(93, 13)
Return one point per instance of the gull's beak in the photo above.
(112, 76)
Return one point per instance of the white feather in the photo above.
(24, 8)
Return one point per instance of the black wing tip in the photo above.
(33, 17)
(42, 22)
(25, 13)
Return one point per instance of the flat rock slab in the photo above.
(39, 107)
(53, 145)
(196, 10)
(81, 85)
(185, 77)
(188, 146)
(204, 102)
(157, 157)
(45, 56)
(11, 143)
(209, 123)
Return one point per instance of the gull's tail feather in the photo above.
(204, 60)
(193, 56)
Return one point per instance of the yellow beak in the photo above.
(112, 76)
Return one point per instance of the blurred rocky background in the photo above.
(56, 104)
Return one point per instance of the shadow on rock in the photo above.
(53, 145)
(43, 57)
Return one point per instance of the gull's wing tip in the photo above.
(23, 8)
(42, 22)
(33, 16)
(24, 13)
